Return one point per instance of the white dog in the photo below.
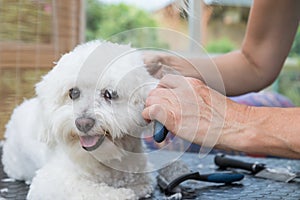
(79, 138)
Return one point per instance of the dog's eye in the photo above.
(109, 95)
(74, 93)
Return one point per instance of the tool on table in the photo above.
(160, 132)
(258, 169)
(171, 176)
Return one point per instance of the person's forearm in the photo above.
(237, 73)
(230, 74)
(262, 130)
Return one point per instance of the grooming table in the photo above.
(249, 188)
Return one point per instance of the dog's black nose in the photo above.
(84, 124)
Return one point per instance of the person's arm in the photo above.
(271, 29)
(270, 32)
(193, 111)
(264, 130)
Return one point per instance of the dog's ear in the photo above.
(45, 134)
(49, 96)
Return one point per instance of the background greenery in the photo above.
(288, 82)
(121, 23)
(295, 51)
(289, 79)
(223, 45)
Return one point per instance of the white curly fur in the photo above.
(42, 141)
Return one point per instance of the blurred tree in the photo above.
(223, 45)
(295, 51)
(94, 17)
(121, 23)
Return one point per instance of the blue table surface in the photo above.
(249, 188)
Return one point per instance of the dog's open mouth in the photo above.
(90, 143)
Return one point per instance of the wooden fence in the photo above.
(34, 34)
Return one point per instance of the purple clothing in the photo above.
(268, 99)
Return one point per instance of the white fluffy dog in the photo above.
(79, 138)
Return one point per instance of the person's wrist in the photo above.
(236, 128)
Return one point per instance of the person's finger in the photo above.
(153, 65)
(157, 92)
(171, 81)
(155, 112)
(169, 70)
(146, 114)
(155, 70)
(151, 58)
(152, 100)
(158, 100)
(158, 113)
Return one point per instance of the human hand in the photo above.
(192, 110)
(157, 65)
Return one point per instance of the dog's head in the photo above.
(94, 97)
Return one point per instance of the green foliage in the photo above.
(289, 85)
(116, 23)
(94, 15)
(118, 18)
(223, 45)
(295, 51)
(289, 79)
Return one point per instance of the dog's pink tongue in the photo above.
(89, 141)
